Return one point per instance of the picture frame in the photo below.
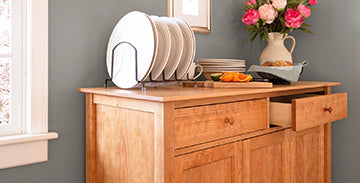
(196, 12)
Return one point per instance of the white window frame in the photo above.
(32, 145)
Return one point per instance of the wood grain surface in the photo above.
(310, 112)
(209, 135)
(327, 146)
(214, 165)
(90, 139)
(249, 85)
(307, 156)
(200, 124)
(176, 93)
(267, 158)
(123, 136)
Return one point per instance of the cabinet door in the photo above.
(214, 165)
(267, 158)
(307, 157)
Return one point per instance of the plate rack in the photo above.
(136, 71)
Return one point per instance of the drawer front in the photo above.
(194, 125)
(315, 111)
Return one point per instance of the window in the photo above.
(11, 36)
(23, 82)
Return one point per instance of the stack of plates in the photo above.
(164, 46)
(218, 65)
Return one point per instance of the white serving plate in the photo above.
(137, 29)
(177, 44)
(221, 66)
(164, 47)
(205, 61)
(189, 48)
(224, 69)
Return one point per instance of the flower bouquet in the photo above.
(283, 16)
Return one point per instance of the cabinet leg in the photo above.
(327, 153)
(327, 133)
(90, 139)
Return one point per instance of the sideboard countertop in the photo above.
(177, 93)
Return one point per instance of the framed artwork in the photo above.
(196, 12)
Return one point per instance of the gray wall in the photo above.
(79, 31)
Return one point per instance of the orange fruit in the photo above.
(237, 77)
(227, 77)
(245, 78)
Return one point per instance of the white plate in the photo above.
(164, 47)
(177, 43)
(221, 66)
(221, 61)
(224, 69)
(188, 48)
(137, 29)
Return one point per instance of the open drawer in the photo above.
(306, 111)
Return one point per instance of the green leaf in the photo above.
(247, 6)
(282, 20)
(263, 2)
(250, 27)
(266, 35)
(306, 30)
(253, 37)
(305, 25)
(293, 3)
(262, 36)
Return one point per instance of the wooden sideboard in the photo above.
(182, 134)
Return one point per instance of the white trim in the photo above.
(16, 139)
(24, 153)
(37, 112)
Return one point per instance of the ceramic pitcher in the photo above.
(276, 50)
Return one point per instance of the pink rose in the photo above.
(251, 2)
(279, 4)
(268, 13)
(251, 17)
(313, 2)
(293, 18)
(304, 10)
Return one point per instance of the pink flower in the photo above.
(293, 18)
(313, 2)
(251, 17)
(250, 2)
(304, 10)
(268, 13)
(279, 4)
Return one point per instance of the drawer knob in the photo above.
(231, 121)
(328, 109)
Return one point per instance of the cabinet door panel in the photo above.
(308, 155)
(214, 165)
(266, 158)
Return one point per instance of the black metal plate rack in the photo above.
(151, 80)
